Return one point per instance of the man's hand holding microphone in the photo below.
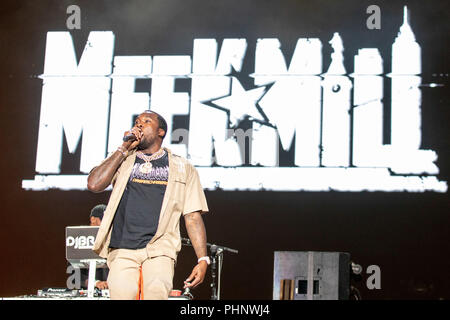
(131, 140)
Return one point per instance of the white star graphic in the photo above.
(241, 103)
(281, 106)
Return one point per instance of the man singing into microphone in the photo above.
(139, 234)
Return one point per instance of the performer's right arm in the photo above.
(100, 177)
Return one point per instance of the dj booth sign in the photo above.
(79, 243)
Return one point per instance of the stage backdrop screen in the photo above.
(314, 126)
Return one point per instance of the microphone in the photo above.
(129, 137)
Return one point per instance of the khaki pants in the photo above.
(125, 268)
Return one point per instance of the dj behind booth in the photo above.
(101, 274)
(88, 273)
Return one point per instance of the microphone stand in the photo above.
(216, 259)
(214, 253)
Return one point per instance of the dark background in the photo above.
(406, 234)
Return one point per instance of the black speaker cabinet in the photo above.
(311, 275)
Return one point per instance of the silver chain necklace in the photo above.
(147, 166)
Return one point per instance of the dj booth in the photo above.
(67, 294)
(79, 243)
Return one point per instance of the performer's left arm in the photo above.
(197, 233)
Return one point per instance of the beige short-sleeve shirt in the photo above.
(184, 194)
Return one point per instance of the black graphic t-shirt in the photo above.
(137, 216)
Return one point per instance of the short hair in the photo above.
(98, 211)
(161, 121)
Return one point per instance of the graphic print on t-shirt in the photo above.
(159, 173)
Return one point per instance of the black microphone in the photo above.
(129, 137)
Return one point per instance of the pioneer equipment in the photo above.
(57, 293)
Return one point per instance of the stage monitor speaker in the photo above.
(311, 275)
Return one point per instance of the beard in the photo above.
(146, 142)
(143, 145)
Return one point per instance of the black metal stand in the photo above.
(217, 259)
(216, 265)
(213, 250)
